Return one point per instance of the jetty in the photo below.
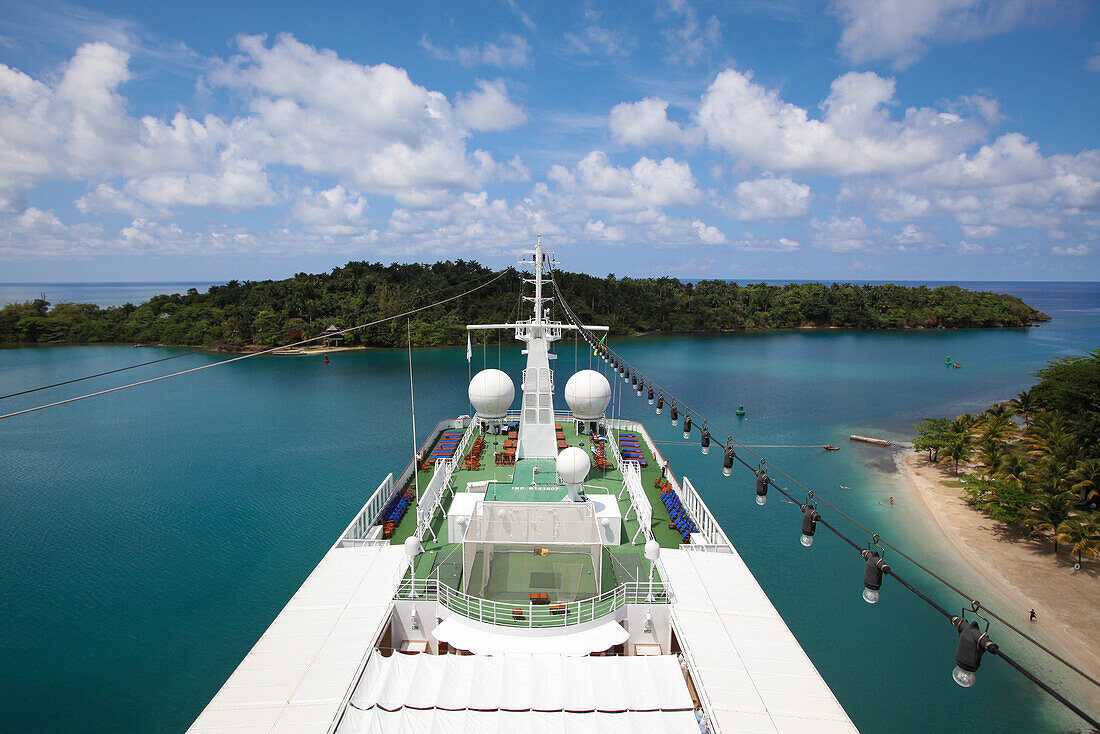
(875, 441)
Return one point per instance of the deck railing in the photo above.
(508, 614)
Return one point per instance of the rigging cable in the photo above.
(255, 354)
(811, 495)
(231, 344)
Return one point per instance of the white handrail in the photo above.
(529, 614)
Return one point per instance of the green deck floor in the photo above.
(611, 481)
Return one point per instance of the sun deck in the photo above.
(520, 475)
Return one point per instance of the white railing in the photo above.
(356, 532)
(613, 443)
(632, 480)
(430, 497)
(533, 615)
(696, 677)
(702, 516)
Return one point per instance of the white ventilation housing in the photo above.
(491, 393)
(573, 465)
(588, 394)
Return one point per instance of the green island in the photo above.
(242, 315)
(1041, 472)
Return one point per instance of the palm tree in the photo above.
(1048, 512)
(1082, 533)
(958, 448)
(1012, 467)
(1023, 405)
(998, 426)
(991, 453)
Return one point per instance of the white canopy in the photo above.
(545, 683)
(436, 721)
(482, 639)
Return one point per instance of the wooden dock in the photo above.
(875, 441)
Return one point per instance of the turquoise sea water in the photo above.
(152, 535)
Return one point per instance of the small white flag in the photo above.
(469, 349)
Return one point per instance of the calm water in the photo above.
(152, 535)
(101, 294)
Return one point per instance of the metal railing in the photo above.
(702, 516)
(508, 614)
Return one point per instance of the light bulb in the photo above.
(687, 435)
(705, 450)
(727, 470)
(675, 421)
(870, 596)
(651, 401)
(761, 499)
(964, 678)
(807, 540)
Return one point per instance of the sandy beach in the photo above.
(1025, 571)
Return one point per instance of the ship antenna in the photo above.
(412, 402)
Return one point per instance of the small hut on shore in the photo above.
(333, 337)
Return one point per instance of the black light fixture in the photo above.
(660, 403)
(641, 386)
(872, 573)
(727, 460)
(650, 395)
(809, 523)
(761, 484)
(973, 642)
(687, 426)
(704, 440)
(675, 415)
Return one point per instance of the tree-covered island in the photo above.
(269, 313)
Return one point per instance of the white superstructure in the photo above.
(547, 579)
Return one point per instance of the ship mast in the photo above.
(536, 420)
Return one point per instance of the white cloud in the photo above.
(900, 31)
(1076, 250)
(843, 235)
(509, 53)
(970, 248)
(750, 242)
(593, 38)
(646, 123)
(370, 127)
(637, 192)
(770, 198)
(855, 136)
(489, 107)
(692, 40)
(600, 231)
(333, 211)
(708, 234)
(1092, 63)
(981, 230)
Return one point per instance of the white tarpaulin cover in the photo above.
(484, 640)
(437, 721)
(547, 683)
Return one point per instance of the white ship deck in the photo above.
(744, 659)
(297, 675)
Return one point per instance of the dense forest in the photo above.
(1035, 460)
(270, 313)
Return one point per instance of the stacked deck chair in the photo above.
(631, 449)
(396, 509)
(678, 517)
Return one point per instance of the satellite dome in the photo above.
(573, 465)
(491, 393)
(588, 394)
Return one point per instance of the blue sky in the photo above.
(844, 139)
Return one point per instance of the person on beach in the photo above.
(1032, 613)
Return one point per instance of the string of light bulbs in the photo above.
(974, 641)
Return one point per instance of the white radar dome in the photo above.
(588, 394)
(491, 393)
(573, 465)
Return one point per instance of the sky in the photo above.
(834, 140)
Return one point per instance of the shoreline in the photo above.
(1024, 571)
